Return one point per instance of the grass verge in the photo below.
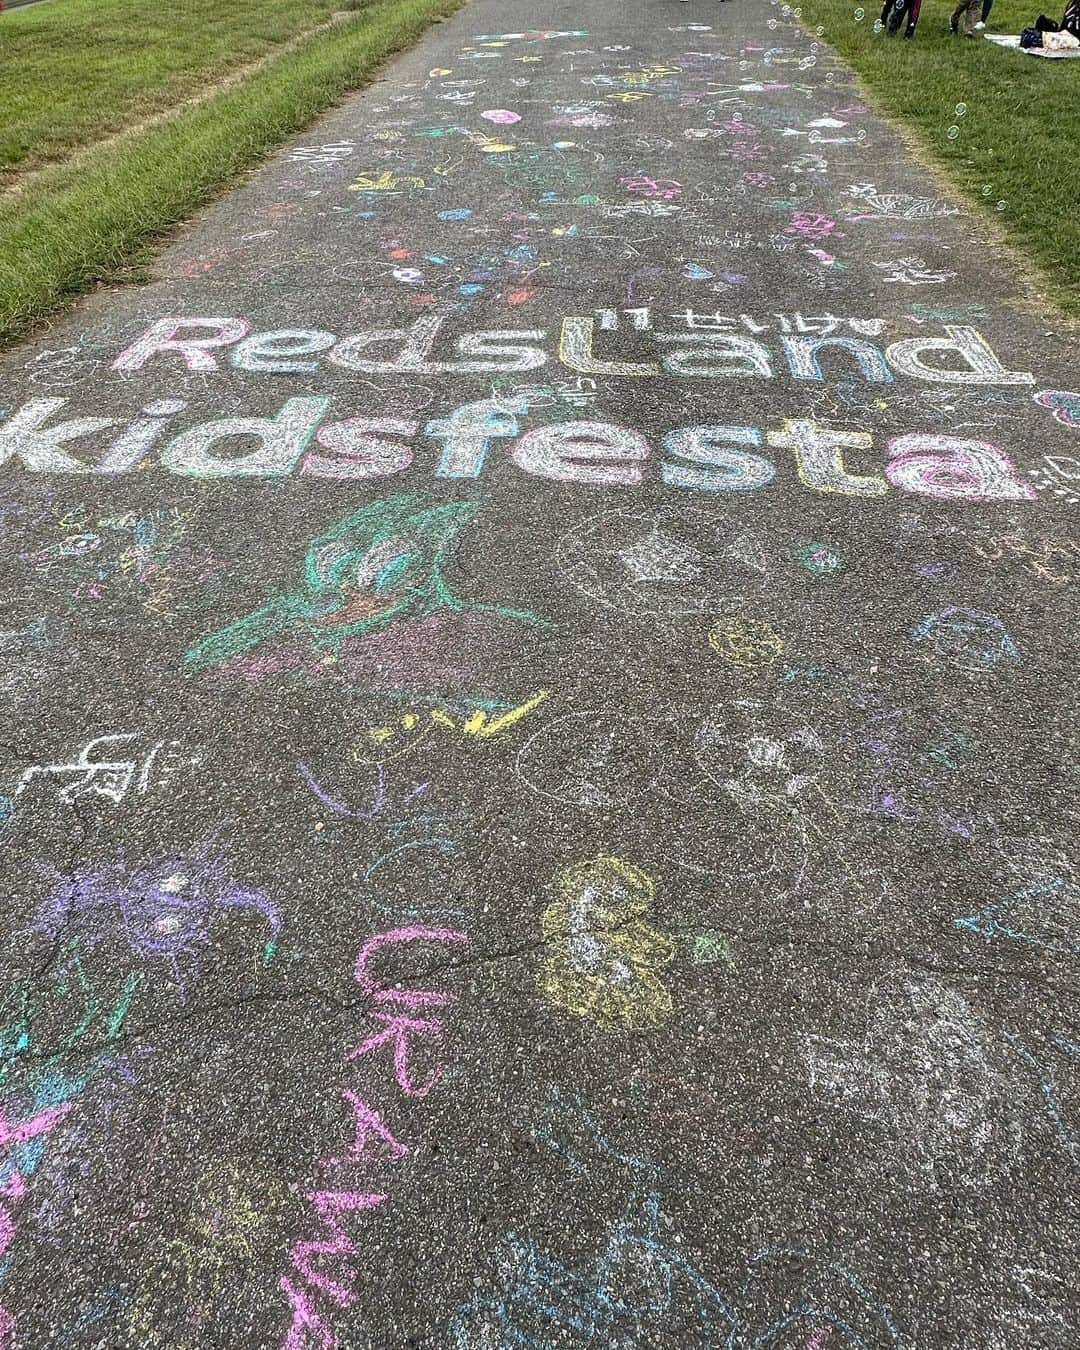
(79, 222)
(76, 71)
(1016, 120)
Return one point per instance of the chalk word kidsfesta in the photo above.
(302, 437)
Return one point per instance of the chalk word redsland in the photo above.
(962, 356)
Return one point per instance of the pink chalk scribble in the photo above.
(13, 1187)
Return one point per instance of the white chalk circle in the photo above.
(660, 562)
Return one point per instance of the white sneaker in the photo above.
(979, 27)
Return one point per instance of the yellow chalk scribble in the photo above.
(381, 744)
(603, 959)
(750, 644)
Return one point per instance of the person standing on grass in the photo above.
(894, 12)
(966, 13)
(988, 5)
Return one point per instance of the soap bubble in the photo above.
(860, 14)
(952, 133)
(960, 109)
(829, 78)
(987, 189)
(819, 30)
(771, 24)
(879, 27)
(797, 13)
(1000, 206)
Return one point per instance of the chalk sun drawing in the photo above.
(379, 568)
(749, 644)
(603, 960)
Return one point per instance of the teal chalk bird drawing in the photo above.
(382, 564)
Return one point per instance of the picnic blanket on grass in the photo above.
(1013, 41)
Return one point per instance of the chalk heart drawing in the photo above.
(163, 911)
(603, 960)
(380, 568)
(660, 563)
(749, 644)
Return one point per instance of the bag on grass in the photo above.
(1031, 37)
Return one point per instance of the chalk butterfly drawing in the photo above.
(1063, 405)
(380, 568)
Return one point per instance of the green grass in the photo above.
(87, 215)
(1018, 136)
(74, 71)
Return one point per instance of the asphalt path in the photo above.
(540, 747)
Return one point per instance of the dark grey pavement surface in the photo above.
(540, 746)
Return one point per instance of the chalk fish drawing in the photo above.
(1042, 906)
(634, 1291)
(655, 564)
(900, 205)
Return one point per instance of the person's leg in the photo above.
(897, 9)
(914, 9)
(969, 15)
(954, 22)
(988, 5)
